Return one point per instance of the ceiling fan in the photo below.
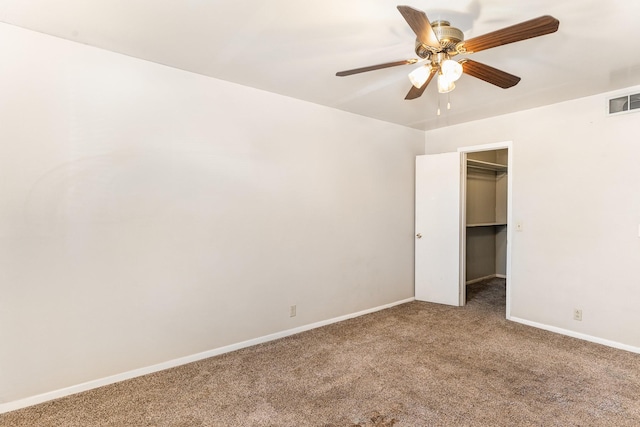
(437, 42)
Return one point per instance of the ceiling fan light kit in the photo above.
(450, 72)
(419, 76)
(451, 69)
(437, 42)
(444, 85)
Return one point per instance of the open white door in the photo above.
(437, 249)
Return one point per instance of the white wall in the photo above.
(576, 189)
(148, 213)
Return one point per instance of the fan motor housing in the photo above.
(448, 36)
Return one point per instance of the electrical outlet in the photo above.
(577, 314)
(292, 311)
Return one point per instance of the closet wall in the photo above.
(486, 215)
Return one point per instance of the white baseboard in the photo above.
(56, 394)
(578, 335)
(480, 279)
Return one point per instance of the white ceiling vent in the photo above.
(624, 104)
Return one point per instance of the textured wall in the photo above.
(577, 193)
(148, 213)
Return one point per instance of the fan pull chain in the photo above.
(448, 101)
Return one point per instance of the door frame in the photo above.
(463, 215)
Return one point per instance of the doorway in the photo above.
(485, 217)
(442, 269)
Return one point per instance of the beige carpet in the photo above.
(417, 364)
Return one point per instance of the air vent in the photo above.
(624, 104)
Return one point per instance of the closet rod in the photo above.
(486, 168)
(480, 164)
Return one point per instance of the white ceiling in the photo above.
(294, 48)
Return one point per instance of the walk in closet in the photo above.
(462, 206)
(486, 215)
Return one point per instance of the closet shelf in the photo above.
(487, 224)
(479, 164)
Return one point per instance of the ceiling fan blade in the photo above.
(420, 25)
(522, 31)
(415, 92)
(489, 74)
(375, 67)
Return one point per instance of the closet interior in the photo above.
(486, 215)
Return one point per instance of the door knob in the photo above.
(419, 236)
